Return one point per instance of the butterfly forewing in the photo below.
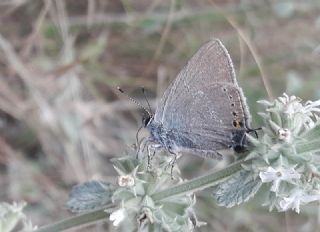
(204, 107)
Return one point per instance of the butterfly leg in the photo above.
(142, 145)
(249, 130)
(172, 163)
(243, 138)
(242, 145)
(138, 142)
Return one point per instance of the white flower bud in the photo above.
(126, 181)
(284, 134)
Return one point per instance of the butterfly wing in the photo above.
(205, 103)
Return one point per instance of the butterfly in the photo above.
(203, 110)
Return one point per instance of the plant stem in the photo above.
(78, 220)
(199, 183)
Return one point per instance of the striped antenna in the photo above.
(136, 102)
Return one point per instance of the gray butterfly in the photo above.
(203, 110)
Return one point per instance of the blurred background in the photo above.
(62, 118)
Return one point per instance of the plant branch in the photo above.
(79, 220)
(200, 183)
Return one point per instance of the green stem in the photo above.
(78, 220)
(199, 183)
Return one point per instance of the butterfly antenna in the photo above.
(135, 101)
(145, 97)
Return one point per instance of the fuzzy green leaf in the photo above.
(125, 165)
(89, 196)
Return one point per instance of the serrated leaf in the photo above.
(89, 196)
(122, 194)
(252, 140)
(237, 189)
(265, 103)
(274, 127)
(125, 165)
(275, 117)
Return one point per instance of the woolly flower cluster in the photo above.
(286, 157)
(136, 204)
(133, 203)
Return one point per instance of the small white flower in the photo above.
(277, 175)
(118, 216)
(126, 181)
(297, 197)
